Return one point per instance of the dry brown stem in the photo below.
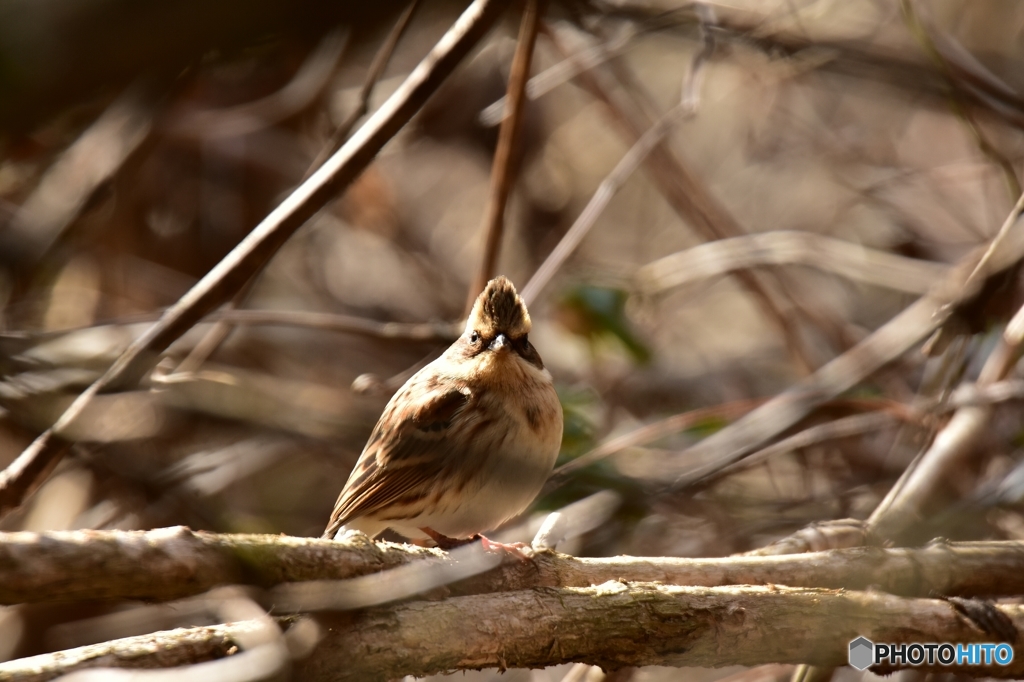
(505, 155)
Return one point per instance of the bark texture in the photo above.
(172, 563)
(613, 625)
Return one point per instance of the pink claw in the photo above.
(514, 549)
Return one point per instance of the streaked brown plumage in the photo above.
(467, 442)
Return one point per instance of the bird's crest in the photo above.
(499, 310)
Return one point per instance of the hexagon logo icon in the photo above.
(862, 653)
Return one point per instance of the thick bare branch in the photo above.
(171, 563)
(613, 625)
(167, 649)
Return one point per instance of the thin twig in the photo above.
(728, 411)
(691, 200)
(417, 331)
(244, 119)
(904, 505)
(228, 276)
(626, 166)
(624, 169)
(924, 37)
(885, 344)
(503, 173)
(843, 258)
(373, 74)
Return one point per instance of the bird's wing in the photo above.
(406, 449)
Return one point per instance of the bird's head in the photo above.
(500, 324)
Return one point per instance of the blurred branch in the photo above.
(380, 61)
(291, 405)
(348, 324)
(626, 166)
(172, 563)
(167, 649)
(846, 427)
(846, 259)
(244, 119)
(929, 42)
(91, 160)
(599, 625)
(888, 342)
(311, 78)
(822, 536)
(649, 433)
(908, 500)
(851, 58)
(728, 411)
(100, 47)
(507, 153)
(685, 193)
(624, 169)
(112, 337)
(562, 72)
(224, 280)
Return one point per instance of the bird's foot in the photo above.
(514, 549)
(444, 542)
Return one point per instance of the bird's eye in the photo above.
(474, 337)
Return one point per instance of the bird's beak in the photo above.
(500, 342)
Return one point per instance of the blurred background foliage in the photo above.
(139, 142)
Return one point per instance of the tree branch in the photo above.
(503, 175)
(960, 287)
(171, 563)
(613, 625)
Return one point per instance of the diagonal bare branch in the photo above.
(32, 466)
(885, 344)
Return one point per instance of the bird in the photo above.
(466, 443)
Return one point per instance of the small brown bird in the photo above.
(467, 442)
